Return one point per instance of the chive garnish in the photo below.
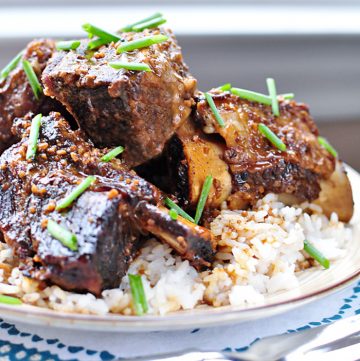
(78, 190)
(172, 205)
(10, 300)
(102, 34)
(32, 78)
(272, 137)
(92, 45)
(33, 137)
(287, 96)
(130, 66)
(323, 142)
(173, 214)
(154, 23)
(225, 87)
(68, 45)
(141, 43)
(316, 254)
(272, 93)
(112, 154)
(251, 96)
(11, 66)
(203, 197)
(130, 27)
(67, 238)
(138, 294)
(215, 111)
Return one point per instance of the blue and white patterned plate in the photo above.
(314, 284)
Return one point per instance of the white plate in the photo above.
(314, 284)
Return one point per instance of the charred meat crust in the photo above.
(139, 110)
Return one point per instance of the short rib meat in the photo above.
(136, 109)
(110, 219)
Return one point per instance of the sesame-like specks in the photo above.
(51, 150)
(22, 174)
(121, 178)
(74, 156)
(64, 162)
(99, 55)
(44, 223)
(3, 166)
(127, 180)
(36, 258)
(43, 146)
(43, 156)
(36, 190)
(113, 193)
(22, 151)
(32, 210)
(61, 152)
(50, 207)
(72, 148)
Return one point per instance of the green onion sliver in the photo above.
(102, 34)
(68, 45)
(225, 87)
(80, 189)
(272, 92)
(141, 43)
(316, 254)
(172, 205)
(251, 96)
(215, 111)
(32, 78)
(203, 197)
(154, 23)
(130, 27)
(272, 137)
(130, 66)
(67, 238)
(11, 66)
(33, 137)
(323, 142)
(287, 96)
(173, 214)
(8, 300)
(92, 45)
(138, 294)
(112, 154)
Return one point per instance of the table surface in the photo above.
(26, 342)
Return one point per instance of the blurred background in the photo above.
(311, 48)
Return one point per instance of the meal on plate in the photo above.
(125, 189)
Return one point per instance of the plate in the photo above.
(314, 284)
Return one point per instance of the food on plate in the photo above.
(125, 189)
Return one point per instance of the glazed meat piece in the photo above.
(16, 95)
(255, 166)
(136, 109)
(109, 220)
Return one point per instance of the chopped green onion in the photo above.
(92, 45)
(68, 45)
(272, 137)
(102, 34)
(112, 154)
(203, 197)
(173, 214)
(287, 96)
(272, 92)
(10, 300)
(67, 238)
(76, 193)
(130, 27)
(180, 212)
(215, 111)
(149, 24)
(141, 43)
(130, 66)
(225, 87)
(11, 66)
(323, 142)
(251, 96)
(316, 254)
(32, 78)
(34, 136)
(138, 294)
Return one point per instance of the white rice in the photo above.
(260, 253)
